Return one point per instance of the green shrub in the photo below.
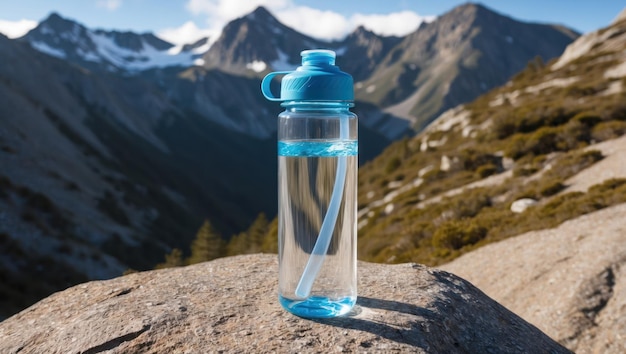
(543, 141)
(587, 118)
(607, 186)
(503, 125)
(173, 259)
(523, 171)
(551, 188)
(487, 170)
(560, 204)
(457, 234)
(472, 159)
(433, 175)
(516, 147)
(574, 162)
(393, 164)
(580, 90)
(573, 135)
(398, 177)
(608, 130)
(551, 114)
(617, 111)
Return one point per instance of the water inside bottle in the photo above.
(307, 172)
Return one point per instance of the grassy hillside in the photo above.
(449, 190)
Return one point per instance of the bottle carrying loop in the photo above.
(265, 85)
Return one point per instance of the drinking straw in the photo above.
(314, 264)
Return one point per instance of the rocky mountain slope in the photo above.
(569, 281)
(502, 164)
(456, 58)
(258, 42)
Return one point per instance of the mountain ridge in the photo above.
(454, 59)
(256, 43)
(107, 50)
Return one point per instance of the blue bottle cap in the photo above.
(317, 79)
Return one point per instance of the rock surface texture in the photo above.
(230, 305)
(569, 281)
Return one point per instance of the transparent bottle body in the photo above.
(317, 168)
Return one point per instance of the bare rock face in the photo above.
(230, 305)
(569, 281)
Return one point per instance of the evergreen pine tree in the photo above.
(256, 234)
(238, 244)
(270, 242)
(174, 259)
(207, 245)
(251, 240)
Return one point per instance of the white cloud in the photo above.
(15, 29)
(186, 34)
(331, 25)
(219, 12)
(321, 24)
(315, 23)
(110, 5)
(393, 24)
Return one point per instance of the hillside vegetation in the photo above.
(449, 190)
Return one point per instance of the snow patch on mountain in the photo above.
(257, 66)
(203, 48)
(64, 39)
(146, 58)
(44, 48)
(89, 56)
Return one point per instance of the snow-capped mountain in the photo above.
(109, 50)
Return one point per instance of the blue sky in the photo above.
(185, 20)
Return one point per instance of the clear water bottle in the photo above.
(317, 187)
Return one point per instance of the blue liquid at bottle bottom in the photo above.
(318, 306)
(307, 174)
